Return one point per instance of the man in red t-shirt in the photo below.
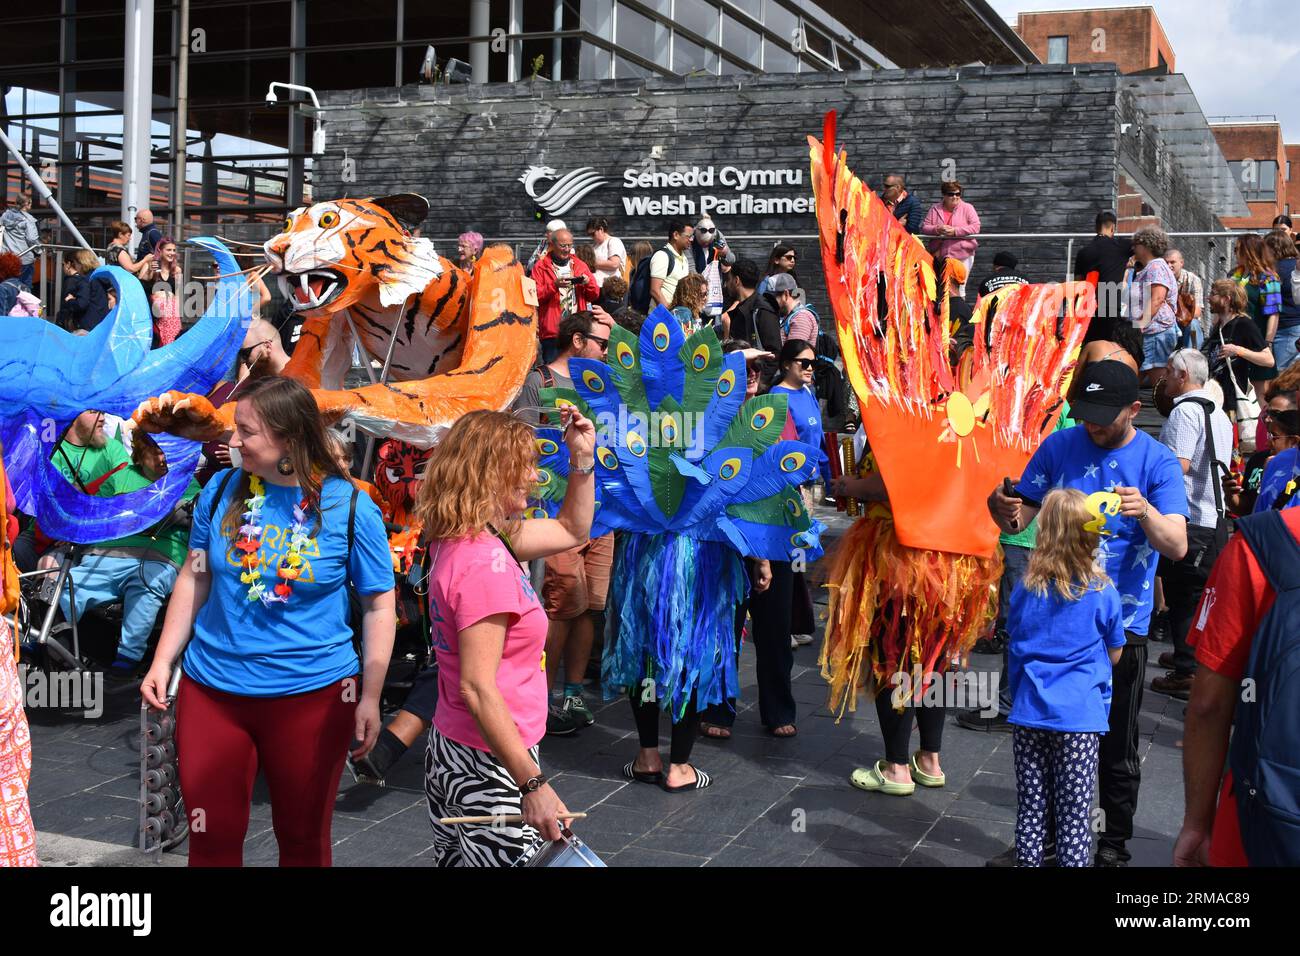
(1233, 607)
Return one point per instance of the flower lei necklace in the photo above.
(250, 542)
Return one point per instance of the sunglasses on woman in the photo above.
(804, 363)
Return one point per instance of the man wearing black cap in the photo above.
(1136, 489)
(1004, 273)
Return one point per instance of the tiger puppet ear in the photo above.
(409, 209)
(411, 272)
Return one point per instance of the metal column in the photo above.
(557, 45)
(180, 124)
(514, 48)
(297, 174)
(137, 108)
(480, 24)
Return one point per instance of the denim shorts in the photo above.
(1284, 346)
(1157, 347)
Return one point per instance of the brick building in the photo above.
(1257, 156)
(1133, 39)
(1130, 37)
(1038, 148)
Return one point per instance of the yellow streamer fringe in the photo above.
(891, 604)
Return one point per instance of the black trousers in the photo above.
(802, 615)
(896, 727)
(646, 714)
(770, 613)
(1120, 771)
(1184, 582)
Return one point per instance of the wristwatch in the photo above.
(532, 784)
(582, 471)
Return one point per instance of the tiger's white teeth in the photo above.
(298, 290)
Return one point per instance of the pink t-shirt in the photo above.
(472, 579)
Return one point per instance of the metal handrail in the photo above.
(803, 237)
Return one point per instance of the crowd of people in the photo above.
(1110, 538)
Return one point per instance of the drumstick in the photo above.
(506, 818)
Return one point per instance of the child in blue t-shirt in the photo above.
(1067, 631)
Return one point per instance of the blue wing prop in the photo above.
(48, 377)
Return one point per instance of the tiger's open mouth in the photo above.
(312, 289)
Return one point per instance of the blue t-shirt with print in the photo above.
(245, 647)
(1071, 459)
(1281, 470)
(807, 417)
(1058, 673)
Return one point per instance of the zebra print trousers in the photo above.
(460, 781)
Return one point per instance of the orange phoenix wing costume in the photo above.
(914, 584)
(452, 341)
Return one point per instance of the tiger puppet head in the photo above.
(398, 477)
(406, 304)
(333, 255)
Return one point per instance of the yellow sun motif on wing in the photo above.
(963, 417)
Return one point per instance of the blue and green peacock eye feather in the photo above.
(662, 368)
(559, 397)
(758, 423)
(728, 395)
(701, 360)
(624, 359)
(779, 527)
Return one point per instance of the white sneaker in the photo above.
(798, 640)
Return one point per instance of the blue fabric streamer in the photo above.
(672, 619)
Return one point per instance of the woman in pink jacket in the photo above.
(951, 223)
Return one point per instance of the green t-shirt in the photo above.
(89, 463)
(173, 543)
(1029, 537)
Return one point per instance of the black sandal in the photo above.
(642, 776)
(701, 781)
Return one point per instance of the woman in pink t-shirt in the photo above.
(489, 630)
(952, 222)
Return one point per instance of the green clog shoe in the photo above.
(923, 778)
(873, 779)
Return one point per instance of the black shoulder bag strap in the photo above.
(221, 493)
(352, 525)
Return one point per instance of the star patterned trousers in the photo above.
(1058, 770)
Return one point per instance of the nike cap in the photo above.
(1106, 388)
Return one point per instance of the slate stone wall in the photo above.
(1035, 147)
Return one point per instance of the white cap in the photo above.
(555, 225)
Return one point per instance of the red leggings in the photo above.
(300, 742)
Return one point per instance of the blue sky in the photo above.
(1240, 56)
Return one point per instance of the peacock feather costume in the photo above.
(695, 477)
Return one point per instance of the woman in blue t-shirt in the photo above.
(271, 674)
(1066, 627)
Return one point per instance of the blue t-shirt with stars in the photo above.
(1071, 459)
(1281, 470)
